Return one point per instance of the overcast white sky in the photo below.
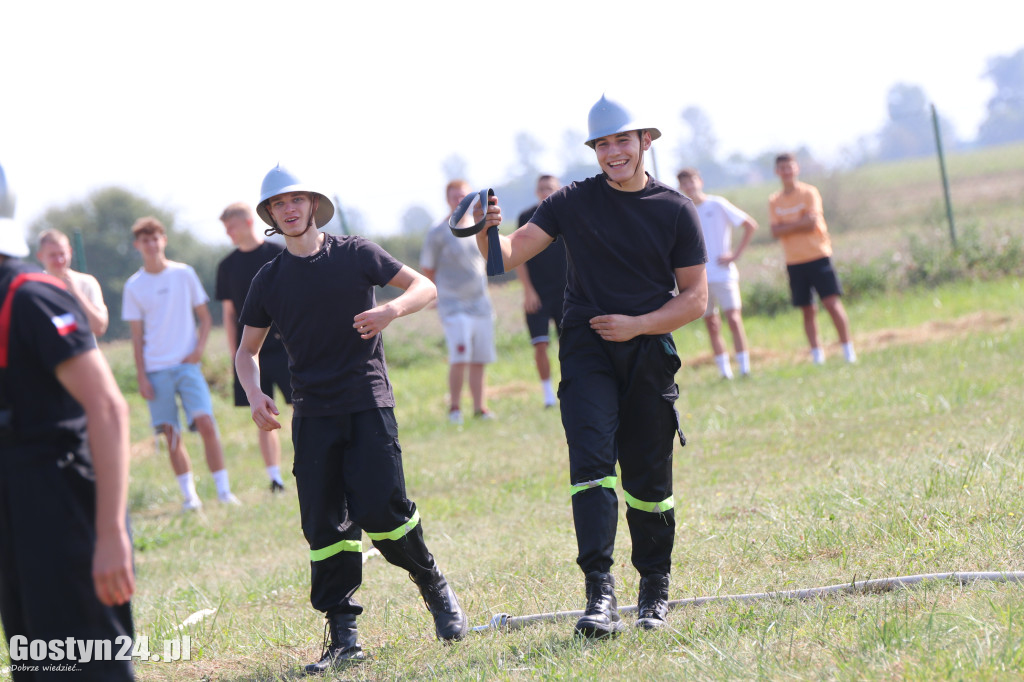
(191, 103)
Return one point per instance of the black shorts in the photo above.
(273, 370)
(818, 275)
(537, 323)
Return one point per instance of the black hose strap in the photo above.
(495, 263)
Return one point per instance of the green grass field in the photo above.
(909, 462)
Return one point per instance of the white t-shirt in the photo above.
(165, 302)
(717, 218)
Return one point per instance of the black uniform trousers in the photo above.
(349, 477)
(47, 539)
(618, 405)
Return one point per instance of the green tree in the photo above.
(909, 132)
(1005, 120)
(104, 220)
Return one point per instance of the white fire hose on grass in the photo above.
(504, 621)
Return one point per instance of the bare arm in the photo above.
(205, 325)
(247, 366)
(230, 325)
(687, 306)
(749, 225)
(99, 318)
(138, 334)
(518, 247)
(88, 379)
(417, 292)
(807, 223)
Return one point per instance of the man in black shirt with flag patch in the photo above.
(65, 554)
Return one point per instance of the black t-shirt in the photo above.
(622, 247)
(234, 275)
(47, 327)
(547, 268)
(313, 301)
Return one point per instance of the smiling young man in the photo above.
(161, 303)
(54, 254)
(319, 293)
(798, 222)
(630, 242)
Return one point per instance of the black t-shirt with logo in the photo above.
(622, 247)
(46, 327)
(313, 301)
(547, 268)
(235, 274)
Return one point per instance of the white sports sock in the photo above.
(549, 392)
(220, 479)
(723, 365)
(818, 356)
(743, 359)
(187, 485)
(274, 472)
(851, 355)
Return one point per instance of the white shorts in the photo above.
(470, 338)
(724, 295)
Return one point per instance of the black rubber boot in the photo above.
(343, 648)
(652, 606)
(601, 618)
(450, 622)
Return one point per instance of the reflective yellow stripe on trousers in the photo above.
(398, 533)
(606, 482)
(659, 507)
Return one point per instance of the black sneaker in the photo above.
(450, 622)
(601, 618)
(276, 487)
(343, 648)
(652, 606)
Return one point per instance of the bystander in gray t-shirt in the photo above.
(461, 272)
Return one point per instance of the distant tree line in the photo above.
(907, 133)
(105, 217)
(104, 220)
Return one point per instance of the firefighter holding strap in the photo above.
(630, 242)
(348, 470)
(65, 555)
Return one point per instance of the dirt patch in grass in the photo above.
(939, 330)
(929, 332)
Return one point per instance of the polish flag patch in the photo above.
(65, 323)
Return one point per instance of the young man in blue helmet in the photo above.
(630, 242)
(348, 463)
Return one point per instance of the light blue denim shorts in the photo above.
(187, 381)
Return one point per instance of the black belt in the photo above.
(495, 263)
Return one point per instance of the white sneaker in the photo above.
(229, 499)
(191, 504)
(455, 417)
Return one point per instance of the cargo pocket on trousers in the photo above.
(671, 394)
